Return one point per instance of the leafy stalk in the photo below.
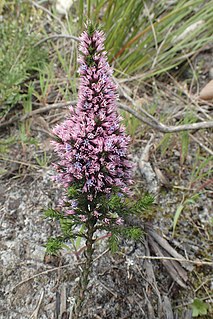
(86, 269)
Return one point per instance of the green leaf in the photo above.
(184, 146)
(51, 213)
(66, 227)
(199, 308)
(54, 245)
(176, 217)
(113, 243)
(132, 233)
(115, 202)
(72, 192)
(143, 204)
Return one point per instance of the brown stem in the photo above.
(86, 268)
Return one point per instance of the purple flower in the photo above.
(91, 143)
(74, 203)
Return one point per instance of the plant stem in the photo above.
(86, 268)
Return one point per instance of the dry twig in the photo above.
(197, 262)
(201, 144)
(72, 266)
(57, 36)
(36, 311)
(158, 126)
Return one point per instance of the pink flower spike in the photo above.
(91, 143)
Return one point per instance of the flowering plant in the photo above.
(94, 169)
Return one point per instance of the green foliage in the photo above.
(91, 28)
(115, 203)
(199, 308)
(131, 123)
(188, 119)
(51, 213)
(169, 139)
(113, 243)
(176, 217)
(133, 233)
(114, 206)
(18, 56)
(189, 201)
(201, 168)
(5, 144)
(24, 134)
(165, 143)
(72, 192)
(67, 227)
(148, 38)
(128, 232)
(54, 245)
(42, 160)
(142, 204)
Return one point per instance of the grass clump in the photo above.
(151, 37)
(19, 57)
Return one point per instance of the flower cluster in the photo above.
(91, 142)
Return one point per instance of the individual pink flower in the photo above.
(106, 221)
(96, 213)
(83, 218)
(70, 212)
(119, 221)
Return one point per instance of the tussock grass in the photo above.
(151, 38)
(18, 56)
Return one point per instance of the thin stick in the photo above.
(201, 144)
(134, 104)
(164, 128)
(194, 262)
(72, 266)
(36, 311)
(47, 108)
(37, 111)
(19, 162)
(109, 290)
(35, 4)
(57, 36)
(155, 124)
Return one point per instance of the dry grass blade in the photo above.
(36, 311)
(167, 307)
(167, 247)
(177, 273)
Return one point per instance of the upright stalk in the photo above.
(86, 269)
(93, 165)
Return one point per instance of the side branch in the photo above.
(147, 118)
(156, 125)
(57, 36)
